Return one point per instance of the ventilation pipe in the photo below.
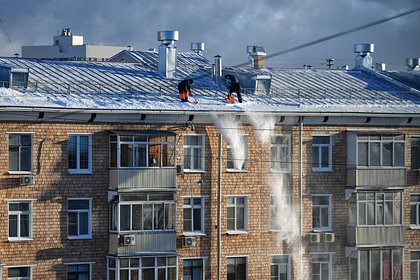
(413, 64)
(380, 66)
(218, 69)
(249, 52)
(197, 47)
(258, 57)
(363, 57)
(167, 52)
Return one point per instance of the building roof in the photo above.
(139, 86)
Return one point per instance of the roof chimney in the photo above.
(413, 64)
(363, 57)
(197, 47)
(167, 52)
(258, 56)
(218, 69)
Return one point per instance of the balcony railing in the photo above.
(376, 177)
(144, 178)
(365, 236)
(143, 242)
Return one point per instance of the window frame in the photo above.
(417, 263)
(20, 171)
(230, 158)
(78, 211)
(376, 205)
(288, 268)
(79, 170)
(236, 206)
(329, 262)
(81, 263)
(321, 206)
(203, 267)
(238, 257)
(411, 152)
(19, 213)
(319, 167)
(192, 155)
(278, 147)
(192, 207)
(20, 278)
(417, 205)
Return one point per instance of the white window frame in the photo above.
(329, 207)
(279, 146)
(32, 151)
(277, 264)
(89, 211)
(192, 154)
(359, 202)
(417, 205)
(246, 160)
(20, 278)
(79, 170)
(381, 143)
(416, 263)
(81, 263)
(18, 213)
(329, 262)
(203, 259)
(319, 167)
(236, 206)
(236, 257)
(192, 207)
(273, 208)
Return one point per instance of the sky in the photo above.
(225, 26)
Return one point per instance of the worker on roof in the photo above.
(233, 86)
(184, 89)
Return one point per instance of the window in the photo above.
(377, 208)
(19, 273)
(415, 210)
(162, 268)
(236, 268)
(236, 214)
(148, 149)
(415, 152)
(78, 272)
(376, 264)
(280, 153)
(194, 152)
(193, 269)
(415, 265)
(79, 218)
(193, 210)
(20, 220)
(20, 152)
(321, 153)
(80, 153)
(380, 150)
(152, 212)
(321, 213)
(321, 266)
(237, 154)
(279, 205)
(280, 267)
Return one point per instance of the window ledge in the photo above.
(280, 230)
(20, 239)
(193, 234)
(194, 171)
(236, 171)
(322, 170)
(20, 172)
(75, 171)
(279, 171)
(414, 227)
(322, 231)
(79, 237)
(236, 232)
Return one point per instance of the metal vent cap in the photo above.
(168, 37)
(197, 47)
(364, 48)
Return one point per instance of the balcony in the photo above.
(144, 242)
(365, 236)
(362, 177)
(144, 178)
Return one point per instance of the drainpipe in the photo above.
(300, 194)
(219, 201)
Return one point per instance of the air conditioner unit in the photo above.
(314, 237)
(179, 169)
(329, 237)
(27, 180)
(128, 240)
(189, 241)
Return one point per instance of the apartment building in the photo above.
(105, 174)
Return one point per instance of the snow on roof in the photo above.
(139, 86)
